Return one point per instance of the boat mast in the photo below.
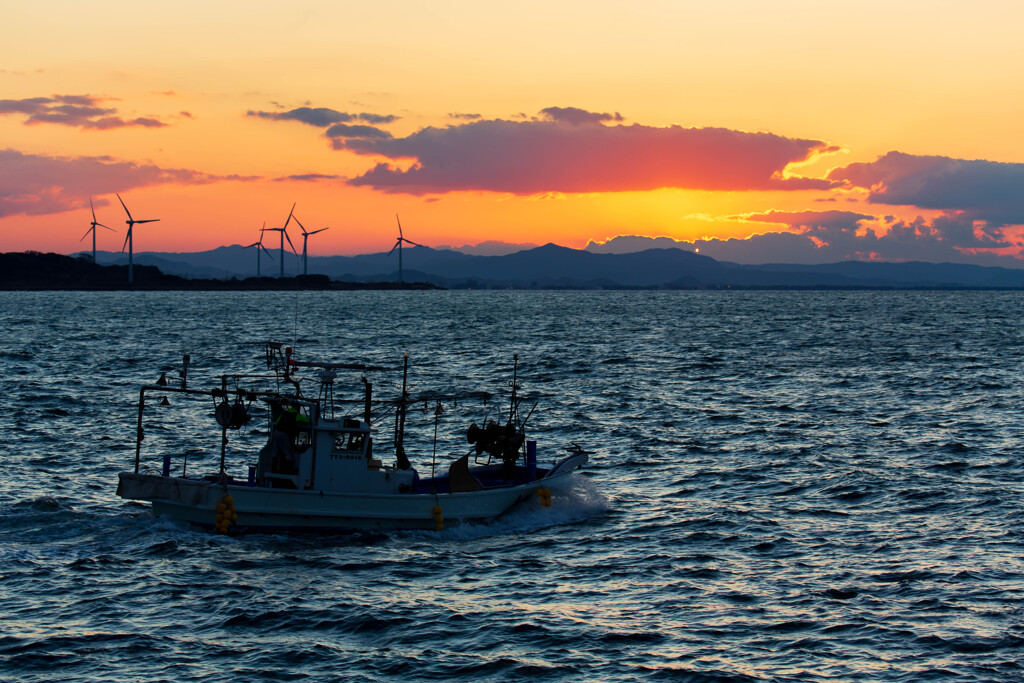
(224, 427)
(515, 385)
(403, 460)
(369, 394)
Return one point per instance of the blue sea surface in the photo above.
(785, 486)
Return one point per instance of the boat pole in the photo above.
(366, 407)
(402, 460)
(405, 399)
(433, 458)
(138, 429)
(224, 428)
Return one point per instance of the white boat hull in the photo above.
(270, 509)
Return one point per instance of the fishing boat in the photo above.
(319, 470)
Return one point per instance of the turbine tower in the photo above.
(284, 236)
(92, 229)
(128, 238)
(305, 239)
(398, 246)
(259, 248)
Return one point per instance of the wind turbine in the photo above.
(128, 238)
(398, 246)
(284, 235)
(259, 247)
(305, 238)
(92, 229)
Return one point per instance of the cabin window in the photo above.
(348, 442)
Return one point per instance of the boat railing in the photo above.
(231, 411)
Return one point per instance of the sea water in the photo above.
(784, 486)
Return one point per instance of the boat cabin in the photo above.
(307, 452)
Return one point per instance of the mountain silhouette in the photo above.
(553, 266)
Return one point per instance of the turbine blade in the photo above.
(87, 233)
(254, 244)
(290, 242)
(93, 211)
(289, 217)
(412, 243)
(399, 226)
(125, 207)
(148, 220)
(395, 247)
(303, 227)
(316, 231)
(126, 236)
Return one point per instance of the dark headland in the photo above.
(546, 267)
(37, 271)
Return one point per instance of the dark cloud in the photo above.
(377, 118)
(321, 117)
(31, 105)
(79, 111)
(817, 221)
(306, 177)
(989, 191)
(533, 157)
(81, 100)
(342, 130)
(465, 117)
(35, 184)
(577, 117)
(839, 234)
(108, 122)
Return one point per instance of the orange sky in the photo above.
(708, 111)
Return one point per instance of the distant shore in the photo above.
(35, 271)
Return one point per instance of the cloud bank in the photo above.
(79, 111)
(305, 177)
(987, 191)
(572, 151)
(816, 237)
(577, 117)
(342, 131)
(35, 184)
(321, 117)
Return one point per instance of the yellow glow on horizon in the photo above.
(868, 78)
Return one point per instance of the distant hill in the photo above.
(552, 266)
(37, 271)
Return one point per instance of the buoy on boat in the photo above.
(226, 514)
(545, 496)
(438, 518)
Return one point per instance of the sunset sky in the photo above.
(812, 131)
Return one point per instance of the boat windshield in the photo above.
(349, 441)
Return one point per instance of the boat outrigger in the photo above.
(318, 470)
